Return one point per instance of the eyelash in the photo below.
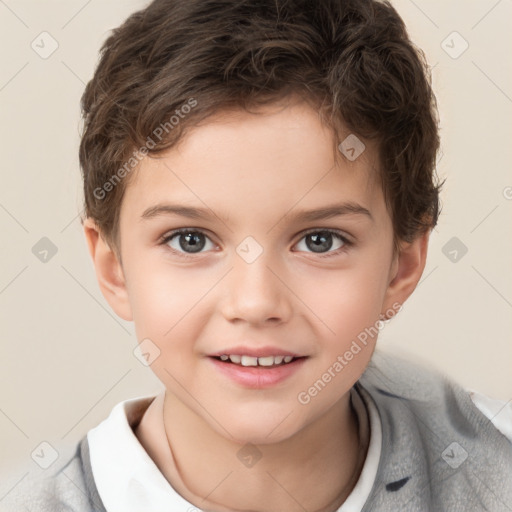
(346, 243)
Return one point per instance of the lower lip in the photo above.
(258, 377)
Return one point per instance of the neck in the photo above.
(327, 454)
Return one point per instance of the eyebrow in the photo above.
(323, 213)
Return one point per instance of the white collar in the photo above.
(128, 480)
(357, 498)
(126, 477)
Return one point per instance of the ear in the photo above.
(109, 271)
(406, 271)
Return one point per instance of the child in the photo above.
(292, 144)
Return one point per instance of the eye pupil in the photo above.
(321, 240)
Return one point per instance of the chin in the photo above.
(259, 438)
(259, 429)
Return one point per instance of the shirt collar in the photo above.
(126, 477)
(128, 480)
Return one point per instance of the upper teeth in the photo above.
(256, 361)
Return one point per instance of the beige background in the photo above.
(66, 360)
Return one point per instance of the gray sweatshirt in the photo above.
(439, 452)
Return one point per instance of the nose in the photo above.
(257, 292)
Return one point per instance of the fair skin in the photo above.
(255, 173)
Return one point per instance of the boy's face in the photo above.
(257, 279)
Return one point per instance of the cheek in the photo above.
(348, 310)
(346, 302)
(167, 312)
(164, 299)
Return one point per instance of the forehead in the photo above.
(266, 162)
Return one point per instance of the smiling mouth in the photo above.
(266, 362)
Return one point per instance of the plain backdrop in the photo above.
(66, 359)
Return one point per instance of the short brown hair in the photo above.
(351, 58)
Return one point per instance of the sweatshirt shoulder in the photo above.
(434, 404)
(63, 488)
(435, 441)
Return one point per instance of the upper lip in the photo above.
(254, 352)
